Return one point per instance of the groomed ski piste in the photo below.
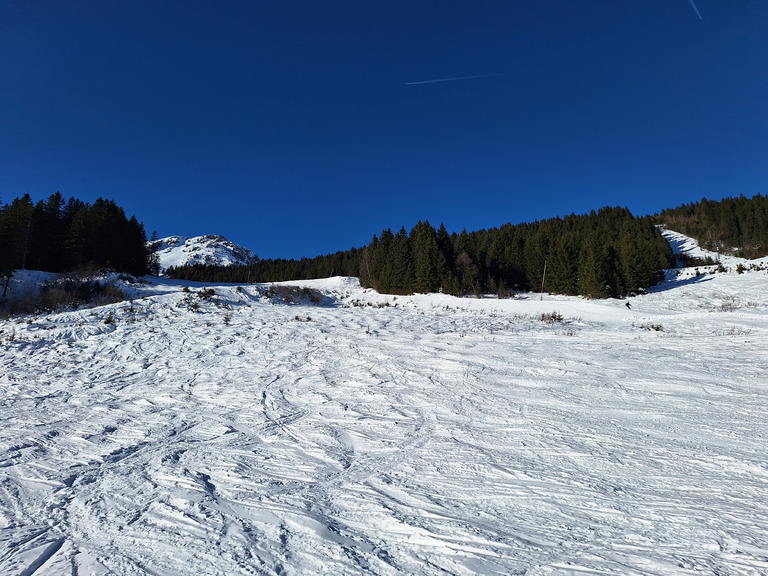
(272, 430)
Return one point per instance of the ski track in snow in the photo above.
(432, 436)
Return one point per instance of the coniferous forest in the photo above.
(58, 235)
(601, 254)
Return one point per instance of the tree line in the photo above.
(343, 263)
(59, 235)
(600, 254)
(731, 225)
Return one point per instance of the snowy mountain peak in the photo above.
(212, 250)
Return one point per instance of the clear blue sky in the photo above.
(298, 127)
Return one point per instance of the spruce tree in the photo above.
(429, 262)
(15, 232)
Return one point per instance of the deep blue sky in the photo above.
(291, 126)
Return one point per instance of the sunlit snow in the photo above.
(373, 434)
(207, 250)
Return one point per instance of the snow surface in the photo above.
(209, 250)
(374, 434)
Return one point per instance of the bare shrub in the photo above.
(56, 298)
(21, 304)
(70, 292)
(64, 293)
(293, 294)
(551, 317)
(729, 304)
(206, 293)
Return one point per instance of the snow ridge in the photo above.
(211, 250)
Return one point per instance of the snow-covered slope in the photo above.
(231, 433)
(210, 250)
(682, 244)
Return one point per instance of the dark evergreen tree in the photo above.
(399, 267)
(563, 265)
(466, 273)
(429, 262)
(15, 233)
(594, 268)
(55, 236)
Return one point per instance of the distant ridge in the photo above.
(208, 250)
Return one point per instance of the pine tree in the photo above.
(563, 265)
(466, 273)
(593, 268)
(15, 233)
(429, 262)
(400, 265)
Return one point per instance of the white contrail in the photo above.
(695, 9)
(457, 78)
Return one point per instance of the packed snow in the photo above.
(175, 251)
(224, 430)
